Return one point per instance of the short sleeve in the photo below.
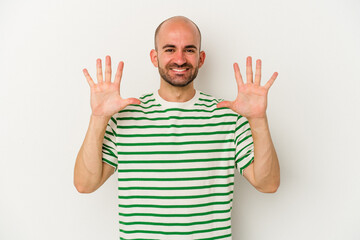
(109, 149)
(244, 145)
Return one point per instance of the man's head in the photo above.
(177, 52)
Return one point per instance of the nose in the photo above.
(179, 58)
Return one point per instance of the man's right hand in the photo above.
(105, 97)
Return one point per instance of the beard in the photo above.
(181, 79)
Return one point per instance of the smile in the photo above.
(179, 69)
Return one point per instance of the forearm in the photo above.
(266, 165)
(88, 167)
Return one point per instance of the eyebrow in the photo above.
(173, 46)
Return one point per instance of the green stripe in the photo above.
(175, 224)
(178, 152)
(242, 158)
(199, 104)
(109, 162)
(173, 110)
(175, 161)
(174, 206)
(147, 107)
(176, 170)
(176, 125)
(108, 147)
(121, 238)
(206, 94)
(247, 154)
(241, 125)
(177, 188)
(246, 165)
(174, 134)
(175, 197)
(177, 117)
(109, 153)
(176, 233)
(147, 95)
(113, 132)
(242, 134)
(110, 133)
(236, 155)
(150, 100)
(217, 237)
(112, 119)
(243, 139)
(177, 179)
(175, 215)
(108, 150)
(208, 100)
(107, 138)
(173, 143)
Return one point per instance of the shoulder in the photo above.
(146, 97)
(147, 100)
(209, 102)
(205, 97)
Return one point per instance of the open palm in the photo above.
(251, 101)
(105, 97)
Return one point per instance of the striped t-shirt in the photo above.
(175, 166)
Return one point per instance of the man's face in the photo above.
(178, 56)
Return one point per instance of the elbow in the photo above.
(81, 188)
(269, 188)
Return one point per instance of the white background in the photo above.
(313, 108)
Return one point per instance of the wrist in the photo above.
(99, 120)
(258, 123)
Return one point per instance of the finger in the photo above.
(271, 81)
(129, 101)
(132, 101)
(258, 72)
(249, 72)
(119, 71)
(238, 76)
(226, 104)
(99, 71)
(107, 69)
(88, 78)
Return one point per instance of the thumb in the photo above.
(226, 104)
(129, 101)
(132, 101)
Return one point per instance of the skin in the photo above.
(90, 172)
(251, 102)
(178, 45)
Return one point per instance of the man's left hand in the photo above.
(251, 101)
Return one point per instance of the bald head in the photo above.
(176, 21)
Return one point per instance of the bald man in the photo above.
(175, 150)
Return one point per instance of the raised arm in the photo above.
(90, 172)
(264, 172)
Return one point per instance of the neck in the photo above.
(176, 94)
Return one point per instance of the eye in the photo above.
(190, 50)
(169, 50)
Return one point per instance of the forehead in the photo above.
(178, 33)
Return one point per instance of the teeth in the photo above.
(178, 70)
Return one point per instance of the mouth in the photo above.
(179, 70)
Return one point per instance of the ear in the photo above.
(202, 58)
(153, 57)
